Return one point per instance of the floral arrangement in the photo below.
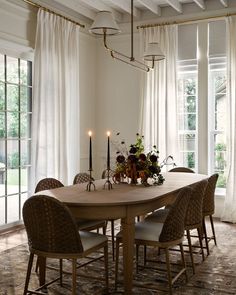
(134, 164)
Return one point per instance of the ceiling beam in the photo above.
(224, 3)
(98, 5)
(74, 5)
(151, 5)
(200, 3)
(126, 6)
(176, 5)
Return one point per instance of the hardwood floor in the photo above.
(12, 239)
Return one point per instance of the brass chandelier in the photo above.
(104, 24)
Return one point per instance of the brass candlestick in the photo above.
(90, 183)
(108, 183)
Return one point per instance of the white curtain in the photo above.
(55, 121)
(229, 213)
(159, 98)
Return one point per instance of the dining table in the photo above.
(124, 201)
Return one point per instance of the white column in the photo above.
(203, 97)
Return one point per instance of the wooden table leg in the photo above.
(42, 270)
(128, 252)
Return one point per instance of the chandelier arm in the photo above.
(133, 63)
(130, 60)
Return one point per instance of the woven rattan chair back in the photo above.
(81, 177)
(209, 196)
(47, 221)
(47, 183)
(181, 169)
(105, 174)
(173, 228)
(194, 210)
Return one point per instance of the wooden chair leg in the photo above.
(137, 256)
(199, 230)
(144, 255)
(106, 267)
(213, 229)
(190, 250)
(168, 270)
(30, 263)
(117, 261)
(205, 235)
(73, 276)
(104, 229)
(113, 239)
(183, 261)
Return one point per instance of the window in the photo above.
(202, 98)
(15, 119)
(187, 114)
(217, 118)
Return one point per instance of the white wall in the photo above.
(117, 98)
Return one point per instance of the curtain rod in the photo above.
(185, 21)
(53, 12)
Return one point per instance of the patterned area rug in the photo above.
(216, 275)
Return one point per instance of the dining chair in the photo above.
(208, 208)
(181, 169)
(81, 177)
(48, 183)
(162, 235)
(47, 221)
(83, 224)
(112, 221)
(193, 219)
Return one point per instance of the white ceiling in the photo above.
(144, 10)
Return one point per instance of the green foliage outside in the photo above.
(16, 105)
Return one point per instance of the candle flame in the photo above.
(108, 133)
(90, 133)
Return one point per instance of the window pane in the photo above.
(12, 70)
(187, 121)
(2, 68)
(2, 179)
(12, 181)
(25, 152)
(12, 208)
(2, 153)
(23, 72)
(187, 142)
(2, 125)
(2, 211)
(187, 159)
(12, 98)
(25, 125)
(13, 154)
(24, 179)
(12, 124)
(26, 99)
(2, 96)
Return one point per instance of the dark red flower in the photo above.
(142, 157)
(133, 150)
(153, 169)
(132, 158)
(153, 158)
(120, 159)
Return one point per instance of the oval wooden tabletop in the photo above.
(122, 194)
